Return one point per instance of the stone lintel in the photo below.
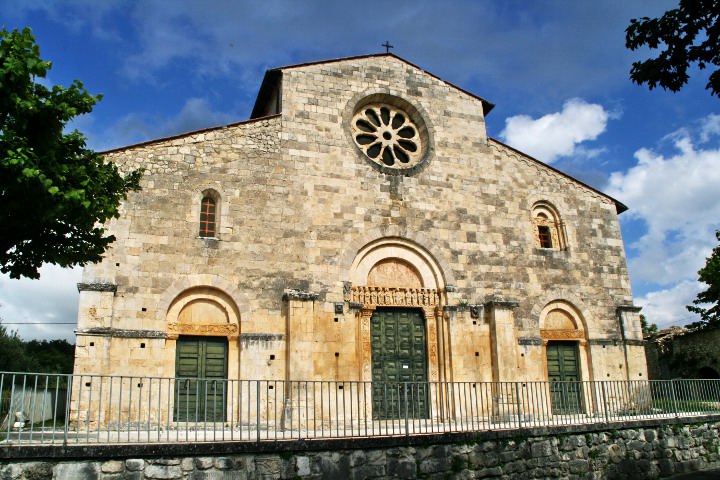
(355, 305)
(301, 296)
(97, 287)
(121, 333)
(499, 303)
(627, 308)
(536, 341)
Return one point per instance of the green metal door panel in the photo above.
(399, 363)
(564, 377)
(201, 365)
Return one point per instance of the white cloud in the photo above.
(676, 196)
(53, 298)
(667, 307)
(558, 134)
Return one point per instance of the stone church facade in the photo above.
(361, 226)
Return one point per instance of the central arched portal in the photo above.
(401, 289)
(399, 363)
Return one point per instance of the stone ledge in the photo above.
(628, 308)
(298, 295)
(261, 337)
(501, 303)
(97, 287)
(121, 333)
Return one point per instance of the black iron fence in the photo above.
(42, 408)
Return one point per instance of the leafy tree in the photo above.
(647, 328)
(13, 357)
(707, 303)
(53, 190)
(688, 34)
(51, 356)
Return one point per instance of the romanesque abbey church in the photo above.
(360, 226)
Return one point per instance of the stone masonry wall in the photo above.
(297, 199)
(684, 354)
(630, 453)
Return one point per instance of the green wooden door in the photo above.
(399, 363)
(564, 377)
(200, 369)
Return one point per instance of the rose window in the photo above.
(387, 135)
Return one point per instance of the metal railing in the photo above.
(48, 409)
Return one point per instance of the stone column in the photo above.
(503, 347)
(300, 329)
(634, 346)
(503, 340)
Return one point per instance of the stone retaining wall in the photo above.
(636, 453)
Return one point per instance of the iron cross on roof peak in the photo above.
(387, 46)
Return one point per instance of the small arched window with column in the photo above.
(548, 229)
(209, 214)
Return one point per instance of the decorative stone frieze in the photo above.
(395, 296)
(561, 334)
(228, 329)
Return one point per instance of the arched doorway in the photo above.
(203, 331)
(401, 290)
(563, 332)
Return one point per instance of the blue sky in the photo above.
(557, 72)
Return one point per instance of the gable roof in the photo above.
(272, 75)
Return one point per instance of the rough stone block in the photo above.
(113, 466)
(75, 470)
(163, 472)
(135, 464)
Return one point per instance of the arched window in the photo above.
(549, 230)
(208, 215)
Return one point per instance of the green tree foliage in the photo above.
(51, 356)
(707, 303)
(647, 328)
(41, 356)
(12, 353)
(53, 190)
(685, 35)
